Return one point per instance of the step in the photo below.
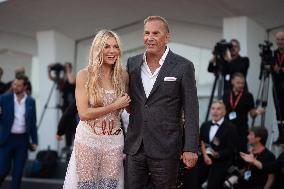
(35, 183)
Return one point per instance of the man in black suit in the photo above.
(278, 84)
(161, 87)
(218, 146)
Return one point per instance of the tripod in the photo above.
(54, 86)
(262, 94)
(218, 81)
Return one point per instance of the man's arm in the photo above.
(33, 126)
(191, 115)
(0, 109)
(190, 107)
(269, 181)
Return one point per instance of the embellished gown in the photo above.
(97, 158)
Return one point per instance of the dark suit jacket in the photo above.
(156, 120)
(225, 140)
(7, 117)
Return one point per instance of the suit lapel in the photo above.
(12, 107)
(164, 71)
(207, 131)
(139, 84)
(27, 108)
(220, 131)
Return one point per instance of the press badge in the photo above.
(247, 175)
(232, 115)
(227, 77)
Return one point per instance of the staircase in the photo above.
(56, 182)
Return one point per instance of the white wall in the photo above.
(184, 33)
(52, 47)
(194, 42)
(16, 50)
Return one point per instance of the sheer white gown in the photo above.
(97, 159)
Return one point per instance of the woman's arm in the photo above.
(82, 101)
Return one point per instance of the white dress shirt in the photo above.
(149, 79)
(214, 128)
(19, 124)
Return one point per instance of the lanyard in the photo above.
(235, 104)
(280, 59)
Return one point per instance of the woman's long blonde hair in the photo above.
(94, 85)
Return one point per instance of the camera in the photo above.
(233, 177)
(266, 53)
(209, 150)
(221, 47)
(57, 67)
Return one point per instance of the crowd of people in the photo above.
(158, 91)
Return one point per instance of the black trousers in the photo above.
(140, 169)
(14, 153)
(279, 105)
(215, 174)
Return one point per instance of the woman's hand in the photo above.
(122, 101)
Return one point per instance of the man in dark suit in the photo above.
(277, 73)
(17, 126)
(161, 87)
(218, 146)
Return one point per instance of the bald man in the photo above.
(278, 78)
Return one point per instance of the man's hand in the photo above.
(247, 157)
(207, 160)
(259, 110)
(58, 137)
(276, 68)
(189, 159)
(34, 147)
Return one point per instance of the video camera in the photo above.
(266, 53)
(209, 150)
(232, 178)
(221, 47)
(57, 67)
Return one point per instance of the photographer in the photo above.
(237, 63)
(278, 78)
(253, 177)
(269, 167)
(3, 86)
(65, 80)
(239, 103)
(227, 61)
(218, 146)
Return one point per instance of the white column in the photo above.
(52, 47)
(250, 34)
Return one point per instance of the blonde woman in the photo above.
(96, 160)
